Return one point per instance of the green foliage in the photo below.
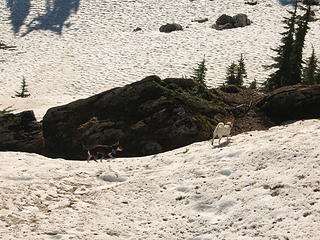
(231, 78)
(253, 84)
(301, 32)
(283, 64)
(24, 91)
(311, 71)
(288, 62)
(241, 71)
(242, 67)
(236, 73)
(199, 73)
(317, 76)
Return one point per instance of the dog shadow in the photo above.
(221, 145)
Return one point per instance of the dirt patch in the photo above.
(241, 106)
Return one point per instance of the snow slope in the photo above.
(78, 48)
(262, 185)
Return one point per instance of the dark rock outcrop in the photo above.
(292, 103)
(153, 116)
(170, 27)
(148, 117)
(21, 132)
(228, 22)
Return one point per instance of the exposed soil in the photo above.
(241, 105)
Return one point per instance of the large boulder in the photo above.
(241, 20)
(170, 27)
(148, 117)
(228, 22)
(21, 132)
(292, 103)
(224, 19)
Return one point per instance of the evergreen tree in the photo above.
(242, 67)
(297, 61)
(241, 71)
(317, 77)
(283, 60)
(310, 71)
(199, 73)
(253, 84)
(236, 73)
(24, 91)
(231, 78)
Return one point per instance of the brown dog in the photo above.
(103, 151)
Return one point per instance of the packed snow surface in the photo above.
(260, 185)
(70, 49)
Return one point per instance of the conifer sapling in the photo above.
(24, 91)
(199, 73)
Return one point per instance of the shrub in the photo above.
(253, 84)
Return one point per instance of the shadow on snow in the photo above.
(19, 10)
(54, 19)
(286, 2)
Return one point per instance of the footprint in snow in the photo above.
(111, 178)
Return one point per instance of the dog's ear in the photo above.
(231, 120)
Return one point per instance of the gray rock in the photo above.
(228, 22)
(241, 20)
(170, 27)
(225, 19)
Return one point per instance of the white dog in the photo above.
(222, 130)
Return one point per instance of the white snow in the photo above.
(262, 185)
(98, 49)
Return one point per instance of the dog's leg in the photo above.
(213, 136)
(94, 157)
(110, 155)
(101, 156)
(89, 156)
